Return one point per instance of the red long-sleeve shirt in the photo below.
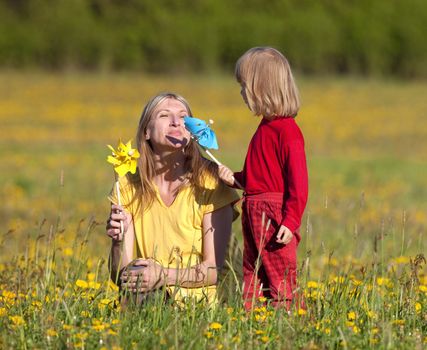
(276, 162)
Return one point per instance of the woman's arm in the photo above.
(216, 234)
(121, 252)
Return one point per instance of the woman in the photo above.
(176, 213)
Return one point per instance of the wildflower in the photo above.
(229, 310)
(327, 330)
(371, 314)
(215, 325)
(351, 316)
(418, 307)
(302, 312)
(91, 276)
(262, 299)
(17, 320)
(312, 284)
(235, 339)
(68, 252)
(94, 285)
(375, 330)
(356, 329)
(265, 339)
(67, 327)
(208, 334)
(51, 332)
(115, 321)
(84, 313)
(384, 281)
(3, 311)
(422, 288)
(259, 331)
(399, 322)
(82, 284)
(98, 327)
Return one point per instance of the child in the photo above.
(274, 178)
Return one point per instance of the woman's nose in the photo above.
(175, 120)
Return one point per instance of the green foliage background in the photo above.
(380, 37)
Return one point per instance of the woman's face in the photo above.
(166, 129)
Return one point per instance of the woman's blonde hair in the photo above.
(267, 83)
(196, 166)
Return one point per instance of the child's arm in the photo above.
(296, 180)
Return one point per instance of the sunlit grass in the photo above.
(361, 271)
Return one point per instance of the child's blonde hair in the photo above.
(268, 85)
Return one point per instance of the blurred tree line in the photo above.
(379, 37)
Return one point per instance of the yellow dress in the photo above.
(172, 235)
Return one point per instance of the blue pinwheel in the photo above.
(205, 137)
(202, 132)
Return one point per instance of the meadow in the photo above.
(362, 255)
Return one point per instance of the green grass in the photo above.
(361, 270)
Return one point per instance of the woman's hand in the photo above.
(117, 215)
(143, 276)
(284, 235)
(226, 175)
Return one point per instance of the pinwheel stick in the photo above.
(119, 202)
(218, 162)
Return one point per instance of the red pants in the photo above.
(265, 261)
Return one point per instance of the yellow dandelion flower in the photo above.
(115, 321)
(91, 276)
(375, 330)
(302, 312)
(67, 327)
(312, 284)
(327, 330)
(94, 285)
(51, 332)
(265, 339)
(3, 311)
(98, 327)
(82, 335)
(356, 329)
(418, 307)
(399, 322)
(82, 284)
(215, 325)
(262, 299)
(260, 317)
(230, 310)
(84, 313)
(68, 251)
(208, 334)
(422, 288)
(351, 316)
(17, 320)
(259, 331)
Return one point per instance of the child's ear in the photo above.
(147, 136)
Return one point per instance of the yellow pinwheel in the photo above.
(124, 159)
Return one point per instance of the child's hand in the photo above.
(226, 175)
(284, 235)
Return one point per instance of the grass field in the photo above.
(362, 268)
